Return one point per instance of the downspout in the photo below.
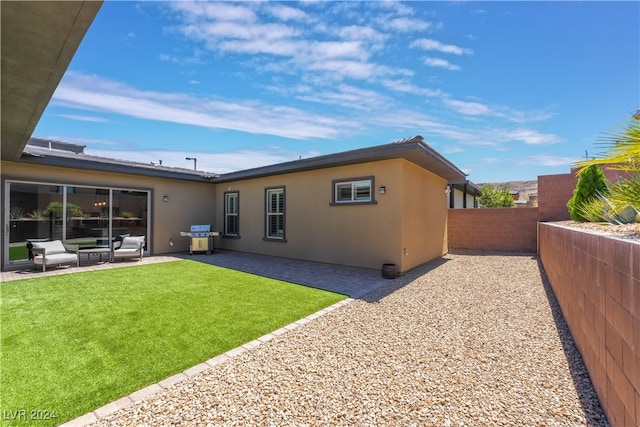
(464, 199)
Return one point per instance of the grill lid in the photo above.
(200, 228)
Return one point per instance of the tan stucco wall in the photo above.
(358, 235)
(189, 202)
(411, 215)
(424, 216)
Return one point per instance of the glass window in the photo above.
(129, 210)
(231, 217)
(353, 191)
(35, 213)
(83, 216)
(87, 222)
(275, 213)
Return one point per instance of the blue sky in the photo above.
(504, 90)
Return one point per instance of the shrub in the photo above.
(622, 203)
(492, 197)
(591, 184)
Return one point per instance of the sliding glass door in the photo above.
(79, 215)
(34, 214)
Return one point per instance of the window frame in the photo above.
(268, 215)
(353, 182)
(227, 214)
(107, 215)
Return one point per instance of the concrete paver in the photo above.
(351, 281)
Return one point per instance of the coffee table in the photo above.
(98, 250)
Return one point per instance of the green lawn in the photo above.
(72, 343)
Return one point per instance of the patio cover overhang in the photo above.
(39, 39)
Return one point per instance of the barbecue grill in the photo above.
(201, 238)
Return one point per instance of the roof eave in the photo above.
(415, 152)
(470, 186)
(87, 164)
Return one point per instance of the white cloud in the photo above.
(440, 63)
(350, 97)
(495, 136)
(431, 127)
(99, 94)
(341, 57)
(492, 160)
(220, 10)
(261, 46)
(341, 68)
(396, 6)
(452, 149)
(347, 49)
(404, 86)
(214, 32)
(218, 163)
(531, 137)
(548, 160)
(430, 44)
(468, 108)
(129, 36)
(527, 116)
(406, 25)
(362, 33)
(286, 13)
(182, 61)
(84, 118)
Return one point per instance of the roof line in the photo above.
(412, 150)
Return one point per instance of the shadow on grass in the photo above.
(591, 407)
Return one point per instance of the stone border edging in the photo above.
(136, 396)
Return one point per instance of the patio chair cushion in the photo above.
(52, 253)
(132, 242)
(130, 247)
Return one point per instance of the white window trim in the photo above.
(227, 214)
(268, 214)
(355, 183)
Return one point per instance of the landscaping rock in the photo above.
(470, 340)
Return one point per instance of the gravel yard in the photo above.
(469, 340)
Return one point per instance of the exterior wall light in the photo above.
(383, 189)
(165, 198)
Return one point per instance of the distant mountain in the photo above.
(522, 187)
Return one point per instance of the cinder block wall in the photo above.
(501, 229)
(554, 191)
(596, 280)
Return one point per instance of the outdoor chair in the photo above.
(129, 247)
(52, 253)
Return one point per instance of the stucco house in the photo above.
(365, 207)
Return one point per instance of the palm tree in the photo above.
(623, 154)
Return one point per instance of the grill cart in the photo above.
(201, 238)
